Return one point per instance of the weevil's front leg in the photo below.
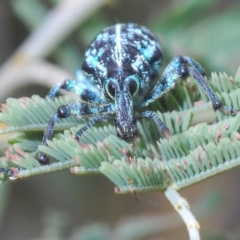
(192, 63)
(79, 109)
(85, 93)
(175, 70)
(82, 87)
(190, 67)
(216, 102)
(194, 69)
(181, 67)
(172, 73)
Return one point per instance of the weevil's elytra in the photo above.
(124, 49)
(118, 78)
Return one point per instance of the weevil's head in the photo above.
(122, 87)
(119, 81)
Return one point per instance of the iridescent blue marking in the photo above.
(119, 77)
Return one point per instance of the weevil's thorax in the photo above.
(120, 53)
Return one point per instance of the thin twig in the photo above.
(38, 72)
(57, 25)
(182, 207)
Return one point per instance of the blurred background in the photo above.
(42, 42)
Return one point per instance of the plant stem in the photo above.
(182, 207)
(57, 25)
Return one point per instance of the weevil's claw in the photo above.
(77, 138)
(166, 133)
(43, 158)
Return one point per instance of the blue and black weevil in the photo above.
(119, 77)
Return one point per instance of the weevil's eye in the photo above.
(110, 88)
(133, 87)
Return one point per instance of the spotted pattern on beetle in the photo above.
(119, 77)
(126, 48)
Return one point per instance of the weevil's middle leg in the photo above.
(79, 109)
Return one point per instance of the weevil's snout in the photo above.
(125, 123)
(126, 130)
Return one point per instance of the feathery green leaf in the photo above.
(150, 162)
